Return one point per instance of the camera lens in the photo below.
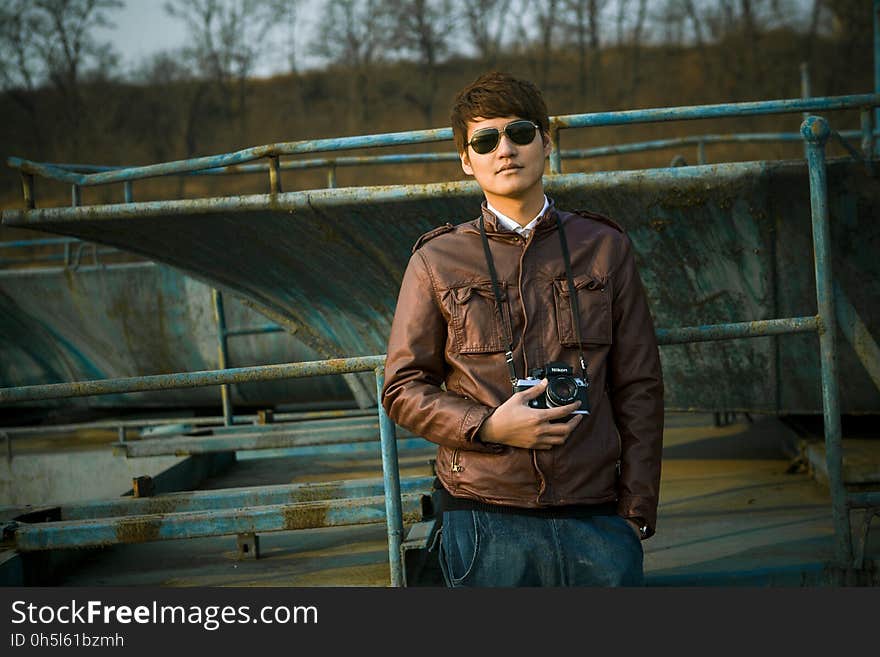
(561, 390)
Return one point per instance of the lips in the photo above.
(509, 167)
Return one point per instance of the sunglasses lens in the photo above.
(521, 132)
(485, 140)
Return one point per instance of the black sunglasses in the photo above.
(520, 132)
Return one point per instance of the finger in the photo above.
(562, 429)
(534, 392)
(548, 442)
(559, 411)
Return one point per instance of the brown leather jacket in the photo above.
(445, 371)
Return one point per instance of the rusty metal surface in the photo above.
(168, 526)
(715, 244)
(70, 324)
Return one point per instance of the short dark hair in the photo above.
(497, 94)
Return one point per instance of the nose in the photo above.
(506, 147)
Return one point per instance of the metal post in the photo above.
(391, 476)
(806, 92)
(867, 126)
(701, 152)
(815, 130)
(129, 191)
(555, 150)
(27, 188)
(220, 318)
(274, 175)
(877, 62)
(331, 176)
(75, 195)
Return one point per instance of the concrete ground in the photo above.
(734, 510)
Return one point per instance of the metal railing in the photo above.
(814, 130)
(235, 161)
(107, 531)
(332, 163)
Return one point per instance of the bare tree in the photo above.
(19, 62)
(546, 16)
(351, 34)
(696, 20)
(228, 38)
(587, 18)
(53, 41)
(486, 22)
(421, 29)
(638, 35)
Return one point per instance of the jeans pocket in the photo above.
(459, 545)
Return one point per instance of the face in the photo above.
(511, 170)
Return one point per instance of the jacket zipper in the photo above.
(541, 480)
(522, 303)
(617, 465)
(456, 466)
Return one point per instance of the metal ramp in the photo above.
(715, 243)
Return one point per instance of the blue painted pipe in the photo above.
(231, 498)
(190, 379)
(409, 158)
(816, 131)
(441, 134)
(97, 532)
(357, 364)
(391, 476)
(722, 110)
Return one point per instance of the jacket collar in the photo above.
(546, 222)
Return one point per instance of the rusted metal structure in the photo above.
(750, 276)
(748, 266)
(74, 320)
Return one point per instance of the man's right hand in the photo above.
(516, 424)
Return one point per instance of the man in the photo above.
(534, 491)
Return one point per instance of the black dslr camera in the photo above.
(563, 388)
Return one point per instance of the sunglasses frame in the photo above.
(498, 132)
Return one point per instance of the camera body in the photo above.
(563, 388)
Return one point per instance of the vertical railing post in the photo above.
(220, 318)
(815, 131)
(555, 150)
(701, 152)
(27, 188)
(867, 125)
(877, 65)
(331, 176)
(129, 191)
(806, 92)
(391, 476)
(75, 196)
(274, 175)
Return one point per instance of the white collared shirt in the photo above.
(510, 224)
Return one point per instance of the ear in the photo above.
(548, 146)
(466, 163)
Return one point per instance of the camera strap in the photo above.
(508, 356)
(572, 293)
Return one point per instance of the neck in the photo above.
(521, 210)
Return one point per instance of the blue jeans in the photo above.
(482, 548)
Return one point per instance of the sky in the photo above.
(144, 28)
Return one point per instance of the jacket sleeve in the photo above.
(415, 366)
(636, 392)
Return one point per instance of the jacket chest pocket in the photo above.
(594, 304)
(477, 325)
